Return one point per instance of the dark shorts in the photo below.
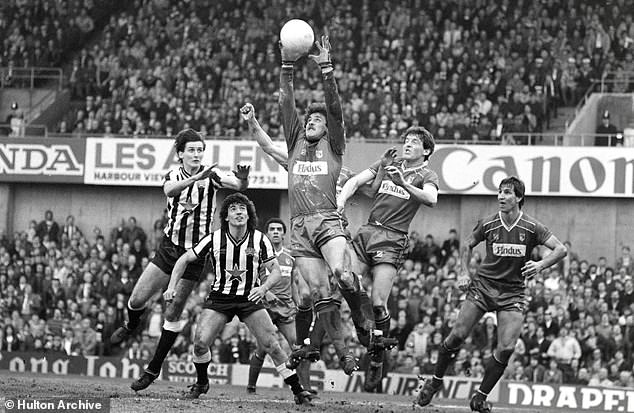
(231, 306)
(282, 312)
(489, 295)
(310, 232)
(167, 255)
(375, 244)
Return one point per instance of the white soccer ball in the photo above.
(297, 37)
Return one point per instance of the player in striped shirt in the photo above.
(499, 285)
(191, 200)
(381, 244)
(239, 253)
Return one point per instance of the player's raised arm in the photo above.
(427, 195)
(351, 186)
(173, 187)
(336, 131)
(238, 179)
(279, 154)
(557, 252)
(288, 113)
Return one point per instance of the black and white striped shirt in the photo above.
(190, 213)
(236, 262)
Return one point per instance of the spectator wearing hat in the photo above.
(610, 134)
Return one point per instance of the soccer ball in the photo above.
(297, 37)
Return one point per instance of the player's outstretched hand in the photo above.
(463, 282)
(205, 173)
(531, 269)
(257, 294)
(323, 57)
(242, 172)
(287, 55)
(388, 157)
(395, 175)
(247, 111)
(169, 294)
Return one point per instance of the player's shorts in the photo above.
(310, 232)
(375, 244)
(167, 255)
(231, 306)
(490, 295)
(283, 311)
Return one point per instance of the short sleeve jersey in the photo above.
(393, 206)
(236, 262)
(508, 247)
(282, 289)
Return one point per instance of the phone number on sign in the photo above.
(263, 180)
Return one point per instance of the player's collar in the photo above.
(240, 241)
(187, 174)
(423, 165)
(509, 228)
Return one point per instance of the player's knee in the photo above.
(200, 348)
(452, 343)
(504, 355)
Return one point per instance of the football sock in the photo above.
(382, 319)
(162, 349)
(290, 378)
(134, 316)
(492, 373)
(255, 366)
(303, 372)
(317, 334)
(201, 363)
(303, 320)
(328, 310)
(447, 353)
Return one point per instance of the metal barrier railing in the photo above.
(32, 130)
(31, 77)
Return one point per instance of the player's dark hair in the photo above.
(424, 135)
(316, 107)
(184, 136)
(518, 187)
(275, 221)
(238, 198)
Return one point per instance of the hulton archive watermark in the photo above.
(56, 404)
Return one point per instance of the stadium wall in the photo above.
(596, 227)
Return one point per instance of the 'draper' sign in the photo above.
(146, 161)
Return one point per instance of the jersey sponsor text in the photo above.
(509, 250)
(390, 188)
(310, 168)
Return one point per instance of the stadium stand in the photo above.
(470, 72)
(63, 291)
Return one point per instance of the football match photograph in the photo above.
(343, 206)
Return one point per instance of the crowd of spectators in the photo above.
(467, 70)
(44, 33)
(65, 290)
